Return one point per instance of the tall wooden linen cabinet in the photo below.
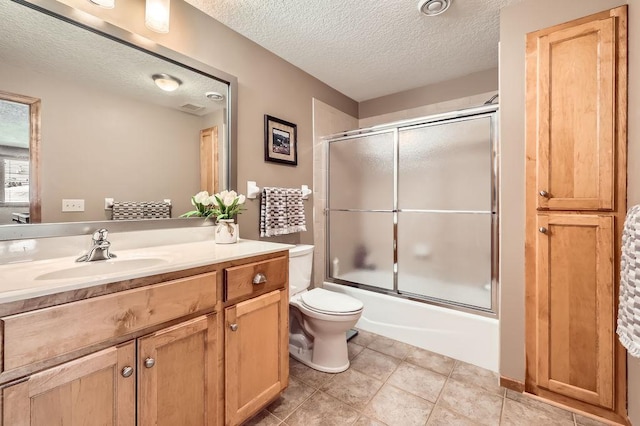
(576, 141)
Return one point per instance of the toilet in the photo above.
(318, 318)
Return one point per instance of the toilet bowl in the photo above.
(318, 318)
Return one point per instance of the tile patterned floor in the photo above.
(395, 384)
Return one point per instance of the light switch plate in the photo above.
(72, 205)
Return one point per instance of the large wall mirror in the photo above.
(82, 120)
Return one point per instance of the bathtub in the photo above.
(460, 335)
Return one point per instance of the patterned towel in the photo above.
(629, 306)
(281, 212)
(128, 210)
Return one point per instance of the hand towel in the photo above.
(629, 307)
(295, 211)
(273, 212)
(281, 212)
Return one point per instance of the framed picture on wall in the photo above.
(280, 141)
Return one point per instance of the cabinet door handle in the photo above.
(544, 193)
(233, 327)
(259, 278)
(543, 229)
(149, 362)
(127, 371)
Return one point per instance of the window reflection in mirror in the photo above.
(108, 131)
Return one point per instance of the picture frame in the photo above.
(280, 141)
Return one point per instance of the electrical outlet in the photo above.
(72, 205)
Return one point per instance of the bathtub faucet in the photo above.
(100, 248)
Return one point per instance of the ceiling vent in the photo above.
(433, 7)
(191, 108)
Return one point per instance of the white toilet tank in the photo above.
(300, 264)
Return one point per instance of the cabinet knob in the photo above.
(233, 327)
(127, 371)
(542, 229)
(544, 193)
(260, 278)
(149, 362)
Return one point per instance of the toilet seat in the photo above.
(330, 303)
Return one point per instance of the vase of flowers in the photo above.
(223, 208)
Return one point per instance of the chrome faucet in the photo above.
(100, 248)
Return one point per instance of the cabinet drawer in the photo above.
(46, 333)
(239, 280)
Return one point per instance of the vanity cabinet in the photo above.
(89, 390)
(186, 348)
(576, 148)
(256, 354)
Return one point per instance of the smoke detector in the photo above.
(433, 7)
(214, 96)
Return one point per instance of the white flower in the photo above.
(229, 198)
(202, 198)
(222, 194)
(241, 199)
(211, 201)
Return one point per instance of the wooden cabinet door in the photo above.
(256, 354)
(575, 306)
(178, 375)
(91, 390)
(572, 110)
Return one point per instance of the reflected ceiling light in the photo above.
(156, 16)
(166, 82)
(214, 96)
(107, 4)
(433, 7)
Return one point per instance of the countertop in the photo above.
(34, 278)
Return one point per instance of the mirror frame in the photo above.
(105, 29)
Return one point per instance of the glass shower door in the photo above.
(360, 209)
(446, 211)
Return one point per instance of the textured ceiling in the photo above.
(367, 49)
(63, 51)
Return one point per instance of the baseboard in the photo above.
(512, 384)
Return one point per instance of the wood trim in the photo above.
(126, 397)
(257, 303)
(16, 405)
(209, 160)
(512, 384)
(35, 190)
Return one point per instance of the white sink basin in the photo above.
(101, 267)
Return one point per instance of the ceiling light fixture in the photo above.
(107, 4)
(166, 82)
(214, 96)
(433, 7)
(156, 16)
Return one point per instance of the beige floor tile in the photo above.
(431, 360)
(364, 338)
(588, 421)
(486, 379)
(375, 364)
(419, 381)
(443, 417)
(551, 410)
(322, 410)
(394, 406)
(390, 347)
(353, 388)
(472, 402)
(263, 418)
(366, 421)
(518, 414)
(308, 375)
(354, 349)
(291, 398)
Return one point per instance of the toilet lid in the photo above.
(323, 300)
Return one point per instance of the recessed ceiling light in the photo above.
(214, 96)
(433, 7)
(107, 4)
(166, 82)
